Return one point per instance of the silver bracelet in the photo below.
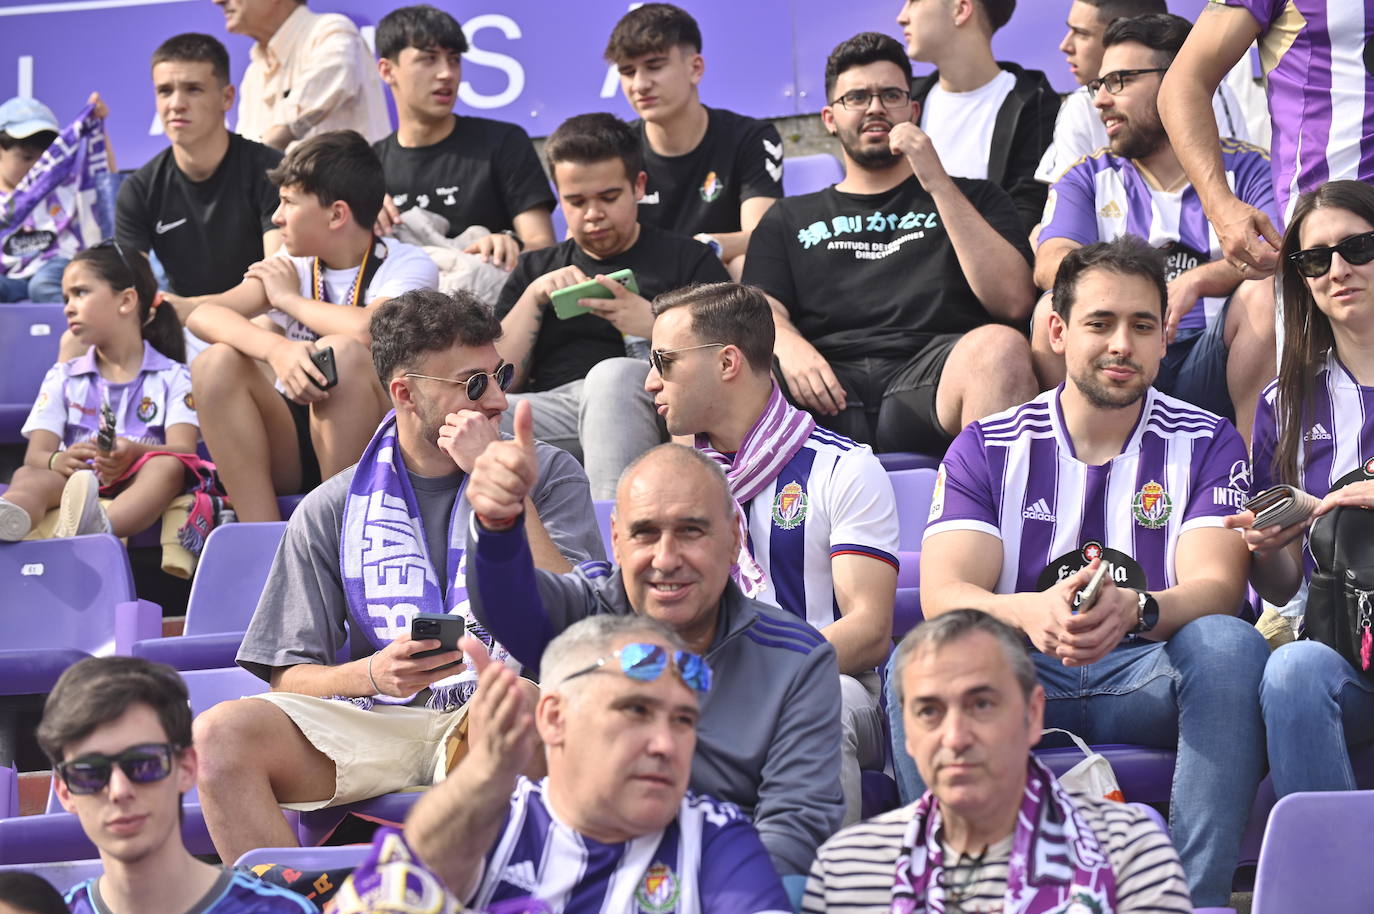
(376, 689)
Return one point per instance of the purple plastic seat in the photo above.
(389, 809)
(64, 600)
(1145, 775)
(307, 858)
(224, 594)
(62, 875)
(893, 461)
(9, 793)
(29, 337)
(906, 612)
(808, 174)
(1313, 854)
(913, 490)
(603, 508)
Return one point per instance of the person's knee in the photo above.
(990, 353)
(218, 373)
(1225, 649)
(1299, 676)
(229, 736)
(621, 379)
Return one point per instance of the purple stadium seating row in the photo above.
(29, 334)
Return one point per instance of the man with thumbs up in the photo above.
(354, 711)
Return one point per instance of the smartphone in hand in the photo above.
(1087, 597)
(445, 628)
(324, 361)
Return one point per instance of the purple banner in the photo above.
(532, 62)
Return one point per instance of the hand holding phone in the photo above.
(105, 438)
(566, 301)
(444, 628)
(1087, 597)
(324, 361)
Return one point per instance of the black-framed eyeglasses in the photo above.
(1356, 250)
(660, 359)
(1116, 80)
(142, 764)
(477, 383)
(647, 662)
(860, 99)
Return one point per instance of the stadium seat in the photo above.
(907, 460)
(1145, 775)
(67, 599)
(389, 809)
(906, 613)
(29, 337)
(913, 489)
(808, 174)
(229, 578)
(1313, 854)
(306, 858)
(603, 508)
(9, 793)
(63, 874)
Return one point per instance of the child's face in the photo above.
(94, 309)
(15, 162)
(424, 82)
(304, 223)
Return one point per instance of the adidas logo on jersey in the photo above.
(1110, 211)
(1317, 433)
(521, 875)
(1039, 511)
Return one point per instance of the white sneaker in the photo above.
(14, 522)
(80, 512)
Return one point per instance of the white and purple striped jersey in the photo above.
(1338, 433)
(1321, 90)
(708, 859)
(832, 498)
(1015, 476)
(1104, 196)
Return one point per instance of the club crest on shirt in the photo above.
(658, 892)
(711, 187)
(937, 497)
(190, 402)
(147, 409)
(41, 402)
(1152, 506)
(789, 506)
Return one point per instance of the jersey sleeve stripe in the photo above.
(871, 552)
(975, 525)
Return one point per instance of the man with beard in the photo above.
(1220, 330)
(891, 288)
(1104, 469)
(355, 710)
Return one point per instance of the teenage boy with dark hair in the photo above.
(987, 118)
(203, 205)
(118, 731)
(589, 398)
(319, 297)
(470, 170)
(712, 173)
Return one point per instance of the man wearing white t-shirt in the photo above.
(987, 118)
(819, 509)
(267, 442)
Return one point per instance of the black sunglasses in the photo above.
(477, 384)
(1356, 250)
(142, 764)
(660, 359)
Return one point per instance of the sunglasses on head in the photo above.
(1355, 250)
(476, 384)
(142, 764)
(646, 662)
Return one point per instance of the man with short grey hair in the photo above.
(995, 831)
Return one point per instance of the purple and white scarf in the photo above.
(387, 573)
(52, 211)
(1056, 860)
(779, 433)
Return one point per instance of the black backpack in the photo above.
(1340, 598)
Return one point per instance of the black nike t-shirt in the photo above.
(483, 173)
(206, 233)
(701, 191)
(566, 350)
(873, 274)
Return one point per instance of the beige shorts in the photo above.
(385, 750)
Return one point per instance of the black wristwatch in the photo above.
(1147, 614)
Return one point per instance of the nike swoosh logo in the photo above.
(164, 229)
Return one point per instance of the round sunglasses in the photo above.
(142, 764)
(647, 662)
(476, 384)
(1356, 250)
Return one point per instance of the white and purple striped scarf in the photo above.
(385, 564)
(779, 433)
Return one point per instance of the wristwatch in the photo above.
(711, 241)
(1147, 614)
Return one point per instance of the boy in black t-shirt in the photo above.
(470, 170)
(205, 204)
(712, 173)
(891, 290)
(589, 398)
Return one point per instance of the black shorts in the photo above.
(890, 403)
(305, 445)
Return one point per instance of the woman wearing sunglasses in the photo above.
(1314, 428)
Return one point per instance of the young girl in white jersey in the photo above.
(132, 380)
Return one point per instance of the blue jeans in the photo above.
(1315, 706)
(1196, 693)
(43, 286)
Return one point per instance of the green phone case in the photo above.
(565, 300)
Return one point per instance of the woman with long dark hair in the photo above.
(1314, 429)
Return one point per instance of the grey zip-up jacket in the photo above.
(769, 737)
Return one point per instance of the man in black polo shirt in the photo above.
(204, 205)
(588, 396)
(712, 173)
(893, 290)
(470, 170)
